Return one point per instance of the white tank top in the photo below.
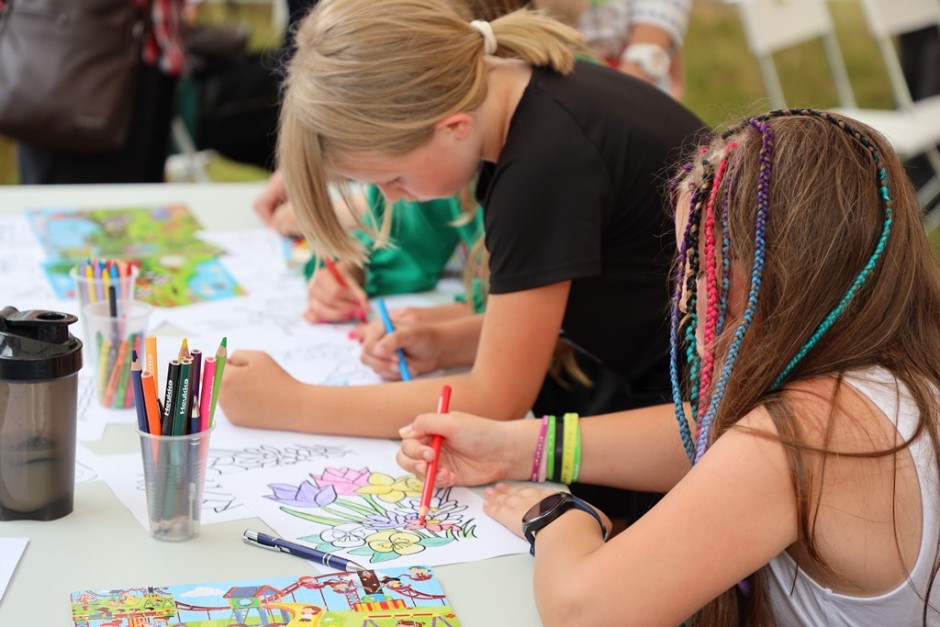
(803, 601)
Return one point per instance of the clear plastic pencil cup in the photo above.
(174, 482)
(113, 340)
(93, 289)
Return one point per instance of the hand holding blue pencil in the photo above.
(390, 328)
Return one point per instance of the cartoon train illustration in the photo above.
(385, 599)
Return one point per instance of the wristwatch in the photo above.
(550, 508)
(654, 60)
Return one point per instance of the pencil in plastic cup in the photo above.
(116, 330)
(174, 482)
(90, 286)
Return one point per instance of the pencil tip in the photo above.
(225, 342)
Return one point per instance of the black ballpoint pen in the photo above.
(265, 541)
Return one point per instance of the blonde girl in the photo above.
(408, 96)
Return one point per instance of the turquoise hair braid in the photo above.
(869, 268)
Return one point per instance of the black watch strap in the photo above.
(549, 509)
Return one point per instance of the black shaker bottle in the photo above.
(39, 364)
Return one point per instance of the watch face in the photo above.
(548, 504)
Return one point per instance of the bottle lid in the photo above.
(36, 345)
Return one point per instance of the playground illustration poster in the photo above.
(176, 267)
(167, 281)
(76, 233)
(367, 511)
(404, 597)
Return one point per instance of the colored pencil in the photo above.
(172, 376)
(443, 406)
(181, 417)
(151, 406)
(98, 281)
(90, 289)
(151, 363)
(220, 356)
(197, 371)
(390, 328)
(207, 393)
(331, 267)
(138, 387)
(117, 363)
(184, 350)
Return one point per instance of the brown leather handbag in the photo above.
(68, 71)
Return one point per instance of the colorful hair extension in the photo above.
(688, 265)
(713, 309)
(685, 276)
(760, 246)
(866, 272)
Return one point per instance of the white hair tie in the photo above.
(489, 37)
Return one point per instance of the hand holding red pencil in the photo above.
(443, 407)
(474, 450)
(334, 294)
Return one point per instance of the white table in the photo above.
(101, 545)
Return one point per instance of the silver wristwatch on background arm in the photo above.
(653, 59)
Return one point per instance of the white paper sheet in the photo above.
(237, 453)
(364, 507)
(11, 550)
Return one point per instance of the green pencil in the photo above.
(220, 356)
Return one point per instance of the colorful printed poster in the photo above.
(71, 233)
(168, 281)
(176, 267)
(404, 597)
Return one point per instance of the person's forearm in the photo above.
(461, 336)
(381, 410)
(650, 34)
(638, 449)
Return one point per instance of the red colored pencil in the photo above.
(331, 266)
(443, 406)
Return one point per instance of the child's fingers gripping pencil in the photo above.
(333, 270)
(390, 328)
(443, 406)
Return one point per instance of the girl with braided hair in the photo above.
(800, 454)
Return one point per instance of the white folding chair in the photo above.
(771, 26)
(887, 19)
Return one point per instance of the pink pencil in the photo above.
(206, 390)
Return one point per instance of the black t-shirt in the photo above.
(579, 193)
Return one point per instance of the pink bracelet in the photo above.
(539, 449)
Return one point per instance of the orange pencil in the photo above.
(331, 266)
(151, 363)
(443, 406)
(150, 402)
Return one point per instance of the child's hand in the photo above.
(284, 221)
(509, 503)
(474, 451)
(330, 301)
(420, 343)
(271, 197)
(273, 207)
(254, 388)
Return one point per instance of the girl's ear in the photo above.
(459, 125)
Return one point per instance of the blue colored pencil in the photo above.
(390, 328)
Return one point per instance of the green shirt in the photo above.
(423, 239)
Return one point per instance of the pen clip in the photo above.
(251, 537)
